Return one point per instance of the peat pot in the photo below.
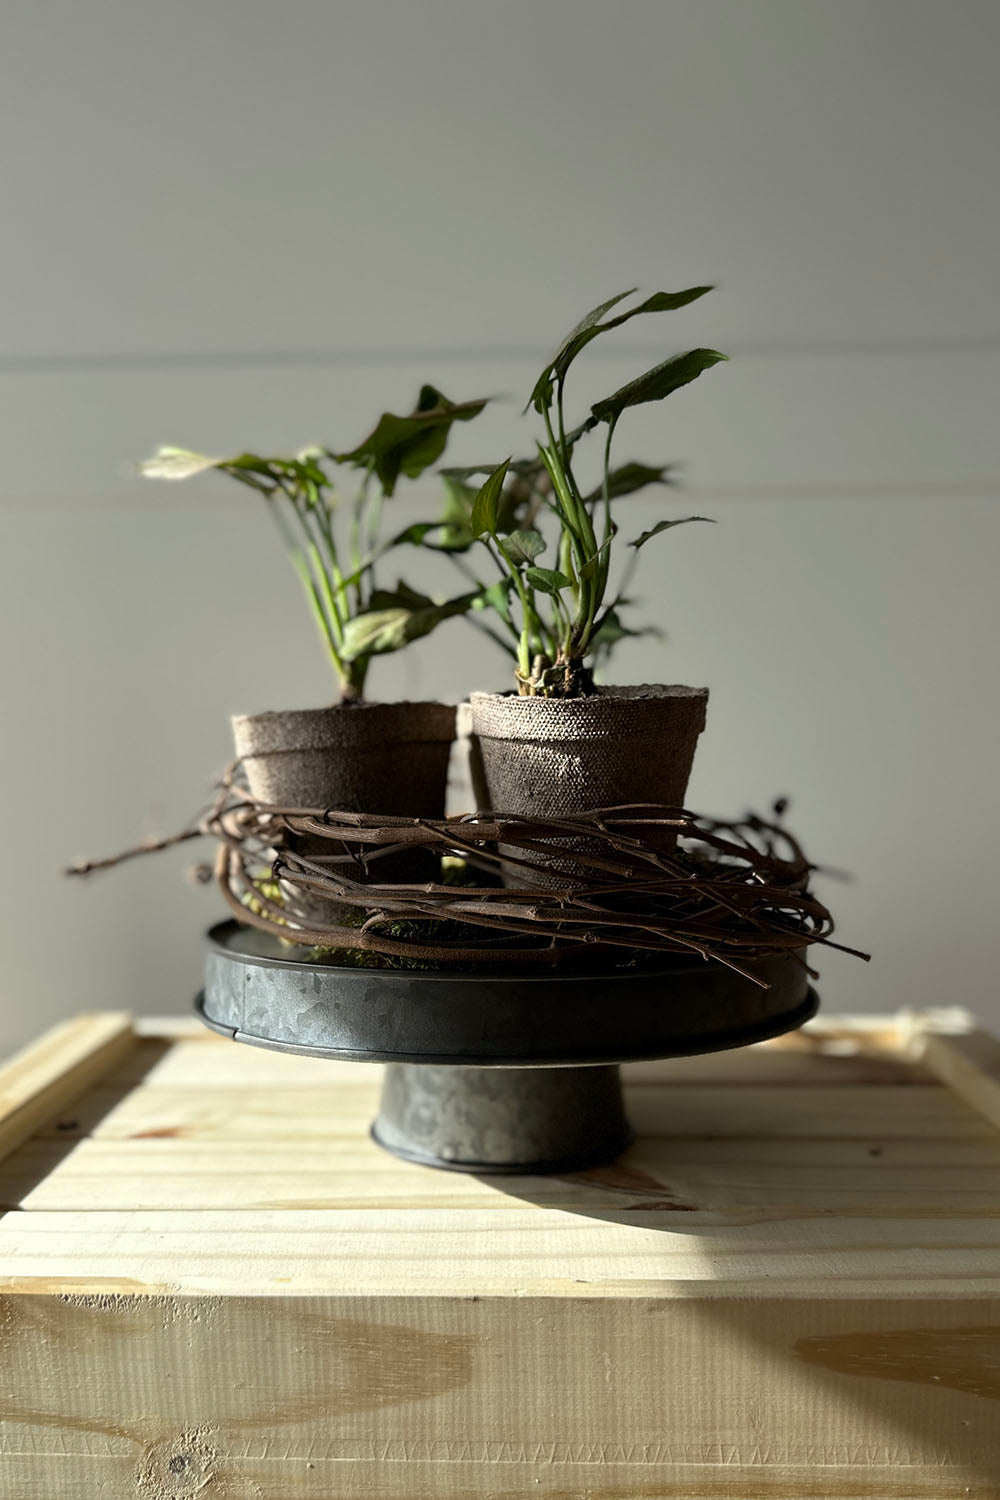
(361, 757)
(495, 1072)
(565, 755)
(549, 756)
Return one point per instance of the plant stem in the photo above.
(333, 576)
(524, 643)
(356, 557)
(604, 566)
(326, 634)
(326, 592)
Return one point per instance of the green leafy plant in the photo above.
(334, 537)
(559, 619)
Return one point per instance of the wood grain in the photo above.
(213, 1283)
(159, 1168)
(41, 1080)
(432, 1396)
(257, 1111)
(969, 1064)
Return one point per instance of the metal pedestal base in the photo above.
(502, 1119)
(497, 1072)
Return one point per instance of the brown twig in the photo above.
(640, 877)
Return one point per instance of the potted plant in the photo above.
(355, 754)
(559, 743)
(502, 1010)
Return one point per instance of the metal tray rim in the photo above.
(221, 930)
(691, 1046)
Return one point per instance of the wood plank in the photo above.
(216, 1063)
(492, 1252)
(115, 1110)
(970, 1066)
(42, 1079)
(174, 1029)
(864, 1112)
(763, 1179)
(766, 1064)
(433, 1397)
(38, 1473)
(788, 1288)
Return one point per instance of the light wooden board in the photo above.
(970, 1066)
(569, 1399)
(47, 1076)
(260, 1112)
(212, 1282)
(492, 1252)
(764, 1179)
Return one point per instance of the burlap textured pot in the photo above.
(365, 757)
(560, 755)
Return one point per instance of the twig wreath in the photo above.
(642, 878)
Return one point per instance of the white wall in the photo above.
(233, 224)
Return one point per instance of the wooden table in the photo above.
(213, 1285)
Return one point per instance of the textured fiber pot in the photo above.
(365, 757)
(563, 755)
(558, 755)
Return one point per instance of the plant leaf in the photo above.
(641, 541)
(657, 383)
(628, 480)
(415, 535)
(528, 472)
(409, 445)
(525, 468)
(613, 629)
(389, 629)
(658, 302)
(587, 569)
(486, 505)
(452, 532)
(541, 396)
(549, 580)
(178, 463)
(375, 631)
(402, 596)
(522, 547)
(497, 598)
(610, 631)
(456, 520)
(181, 463)
(307, 471)
(591, 326)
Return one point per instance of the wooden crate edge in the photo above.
(42, 1078)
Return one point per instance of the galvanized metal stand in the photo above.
(490, 1072)
(502, 1119)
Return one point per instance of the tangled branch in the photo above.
(642, 878)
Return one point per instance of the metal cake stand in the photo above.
(494, 1073)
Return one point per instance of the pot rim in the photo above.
(645, 711)
(293, 730)
(617, 693)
